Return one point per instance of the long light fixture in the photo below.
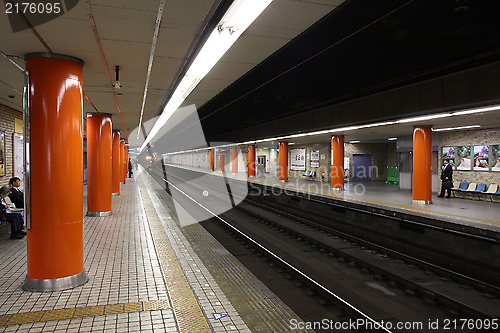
(235, 21)
(454, 128)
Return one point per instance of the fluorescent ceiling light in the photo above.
(392, 139)
(454, 128)
(423, 118)
(477, 110)
(237, 19)
(354, 142)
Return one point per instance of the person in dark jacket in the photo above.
(15, 219)
(446, 179)
(16, 196)
(129, 169)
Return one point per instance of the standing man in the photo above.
(129, 168)
(16, 196)
(446, 178)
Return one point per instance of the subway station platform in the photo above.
(480, 214)
(145, 275)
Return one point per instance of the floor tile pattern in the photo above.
(121, 261)
(221, 283)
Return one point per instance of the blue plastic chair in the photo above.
(463, 186)
(479, 189)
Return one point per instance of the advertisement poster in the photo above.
(298, 159)
(481, 158)
(315, 159)
(495, 158)
(449, 154)
(18, 156)
(2, 154)
(463, 158)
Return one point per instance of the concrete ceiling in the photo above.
(125, 30)
(287, 33)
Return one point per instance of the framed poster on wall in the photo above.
(18, 152)
(2, 154)
(464, 158)
(315, 159)
(481, 158)
(495, 157)
(449, 154)
(298, 159)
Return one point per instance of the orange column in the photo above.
(234, 157)
(337, 170)
(115, 183)
(251, 161)
(122, 161)
(221, 162)
(422, 165)
(55, 213)
(283, 160)
(99, 164)
(211, 157)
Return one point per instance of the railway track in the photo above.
(363, 281)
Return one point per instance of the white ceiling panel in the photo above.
(143, 5)
(174, 42)
(124, 24)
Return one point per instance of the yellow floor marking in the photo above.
(188, 313)
(88, 311)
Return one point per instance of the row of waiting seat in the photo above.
(479, 189)
(310, 174)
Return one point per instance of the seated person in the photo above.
(15, 219)
(16, 196)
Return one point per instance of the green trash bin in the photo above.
(392, 174)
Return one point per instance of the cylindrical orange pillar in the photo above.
(99, 164)
(55, 226)
(116, 165)
(422, 165)
(122, 161)
(283, 162)
(251, 161)
(211, 158)
(221, 162)
(234, 160)
(337, 170)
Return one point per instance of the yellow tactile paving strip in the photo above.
(88, 311)
(189, 316)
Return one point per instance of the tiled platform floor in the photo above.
(144, 276)
(480, 214)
